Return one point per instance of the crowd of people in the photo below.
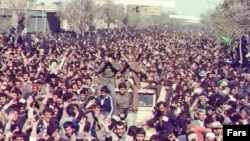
(62, 86)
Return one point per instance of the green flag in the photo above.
(225, 39)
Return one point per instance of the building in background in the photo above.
(41, 15)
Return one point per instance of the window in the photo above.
(146, 100)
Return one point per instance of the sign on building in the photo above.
(162, 3)
(153, 10)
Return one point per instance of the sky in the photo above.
(186, 7)
(194, 7)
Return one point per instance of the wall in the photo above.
(36, 22)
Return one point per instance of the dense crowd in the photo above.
(74, 87)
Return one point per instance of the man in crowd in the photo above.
(159, 61)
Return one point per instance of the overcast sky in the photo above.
(187, 7)
(194, 7)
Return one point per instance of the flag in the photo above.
(225, 39)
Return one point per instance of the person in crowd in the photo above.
(131, 73)
(60, 76)
(167, 121)
(106, 101)
(109, 68)
(140, 134)
(123, 107)
(119, 134)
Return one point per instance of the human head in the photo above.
(131, 58)
(200, 115)
(162, 106)
(104, 91)
(47, 114)
(3, 98)
(155, 138)
(140, 134)
(122, 88)
(69, 128)
(110, 57)
(210, 136)
(19, 136)
(14, 111)
(120, 128)
(54, 132)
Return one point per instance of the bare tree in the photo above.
(78, 13)
(232, 17)
(161, 19)
(20, 10)
(110, 13)
(133, 18)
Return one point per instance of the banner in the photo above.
(163, 3)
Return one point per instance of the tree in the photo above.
(78, 13)
(20, 10)
(161, 19)
(232, 17)
(132, 18)
(111, 13)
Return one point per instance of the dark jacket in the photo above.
(167, 123)
(108, 71)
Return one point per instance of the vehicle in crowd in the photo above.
(147, 102)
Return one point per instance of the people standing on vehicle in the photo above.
(131, 72)
(108, 69)
(123, 106)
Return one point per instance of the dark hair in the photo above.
(140, 131)
(13, 108)
(42, 140)
(3, 95)
(48, 110)
(105, 89)
(132, 130)
(122, 85)
(54, 122)
(211, 108)
(16, 91)
(120, 123)
(20, 105)
(233, 104)
(87, 126)
(88, 77)
(19, 134)
(155, 138)
(53, 60)
(97, 105)
(68, 124)
(13, 127)
(246, 109)
(208, 120)
(161, 103)
(84, 91)
(70, 110)
(111, 55)
(67, 96)
(219, 118)
(144, 76)
(58, 92)
(52, 129)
